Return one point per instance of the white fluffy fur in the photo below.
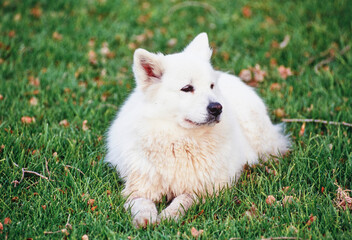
(160, 141)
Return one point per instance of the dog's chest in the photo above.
(186, 164)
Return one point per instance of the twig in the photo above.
(330, 59)
(75, 168)
(317, 121)
(204, 5)
(35, 173)
(46, 166)
(64, 230)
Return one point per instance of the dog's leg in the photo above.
(177, 207)
(143, 211)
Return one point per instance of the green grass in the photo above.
(319, 158)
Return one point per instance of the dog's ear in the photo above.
(147, 67)
(200, 46)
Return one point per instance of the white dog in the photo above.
(186, 130)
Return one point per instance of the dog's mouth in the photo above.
(209, 121)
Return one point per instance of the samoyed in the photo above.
(186, 131)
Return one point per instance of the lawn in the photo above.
(65, 69)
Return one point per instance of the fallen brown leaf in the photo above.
(36, 12)
(92, 56)
(284, 72)
(246, 12)
(245, 75)
(64, 123)
(172, 42)
(17, 17)
(44, 207)
(90, 202)
(270, 200)
(12, 33)
(33, 101)
(84, 125)
(252, 212)
(57, 36)
(195, 233)
(259, 74)
(1, 97)
(311, 220)
(34, 81)
(343, 199)
(1, 227)
(85, 237)
(302, 130)
(287, 200)
(275, 87)
(7, 221)
(27, 120)
(279, 112)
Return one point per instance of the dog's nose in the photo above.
(214, 108)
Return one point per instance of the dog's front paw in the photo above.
(145, 217)
(169, 214)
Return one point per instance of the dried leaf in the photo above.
(195, 233)
(108, 192)
(17, 17)
(85, 237)
(57, 36)
(93, 208)
(302, 130)
(27, 120)
(270, 200)
(92, 56)
(287, 200)
(64, 123)
(84, 125)
(33, 81)
(172, 42)
(245, 75)
(90, 202)
(284, 72)
(1, 227)
(1, 97)
(311, 220)
(7, 221)
(44, 207)
(343, 199)
(279, 112)
(246, 12)
(258, 73)
(12, 33)
(252, 212)
(14, 199)
(36, 12)
(33, 101)
(275, 87)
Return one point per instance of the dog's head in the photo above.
(180, 87)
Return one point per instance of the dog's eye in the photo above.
(188, 88)
(212, 86)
